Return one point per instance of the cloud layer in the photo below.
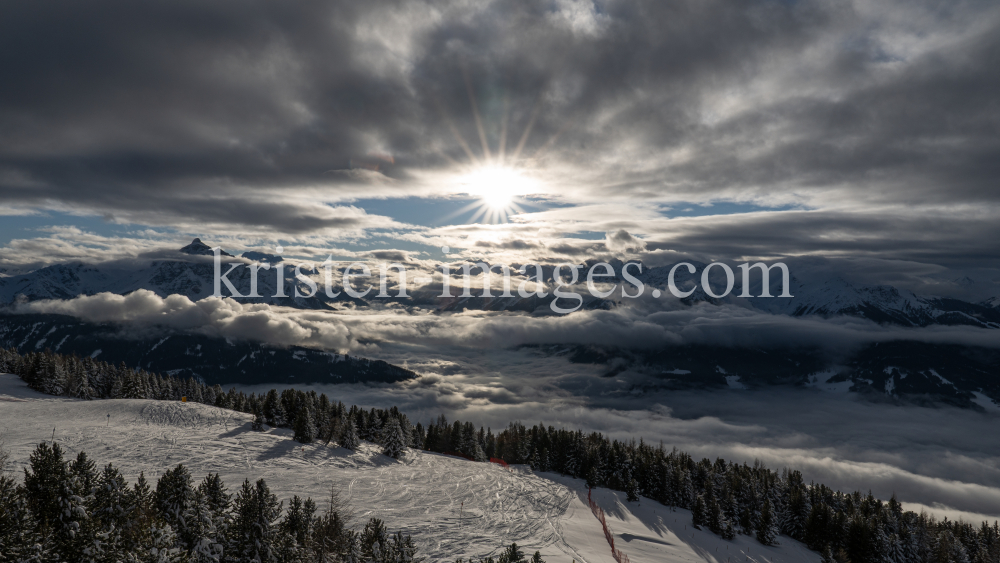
(878, 118)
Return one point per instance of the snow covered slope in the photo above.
(453, 507)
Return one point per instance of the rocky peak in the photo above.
(201, 249)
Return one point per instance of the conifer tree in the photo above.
(43, 479)
(73, 533)
(304, 430)
(298, 521)
(209, 519)
(767, 531)
(162, 546)
(252, 534)
(512, 554)
(85, 471)
(393, 439)
(374, 541)
(19, 540)
(349, 439)
(401, 549)
(112, 509)
(698, 513)
(632, 490)
(174, 501)
(330, 530)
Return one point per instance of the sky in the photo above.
(862, 131)
(848, 138)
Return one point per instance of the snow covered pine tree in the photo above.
(393, 439)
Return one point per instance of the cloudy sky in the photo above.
(851, 138)
(862, 131)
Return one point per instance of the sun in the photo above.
(497, 190)
(497, 186)
(498, 179)
(498, 199)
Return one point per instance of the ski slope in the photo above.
(452, 507)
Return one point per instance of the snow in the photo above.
(734, 382)
(453, 507)
(649, 531)
(157, 345)
(821, 380)
(942, 378)
(986, 402)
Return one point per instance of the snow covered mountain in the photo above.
(883, 304)
(190, 272)
(828, 297)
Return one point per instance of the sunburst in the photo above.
(498, 181)
(498, 190)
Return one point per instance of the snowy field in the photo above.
(453, 507)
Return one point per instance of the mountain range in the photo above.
(963, 376)
(190, 272)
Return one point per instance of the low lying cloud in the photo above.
(645, 324)
(622, 241)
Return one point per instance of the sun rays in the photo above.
(497, 179)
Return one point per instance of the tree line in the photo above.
(69, 510)
(723, 497)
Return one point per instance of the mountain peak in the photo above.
(201, 249)
(261, 257)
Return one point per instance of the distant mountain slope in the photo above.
(883, 304)
(214, 360)
(915, 372)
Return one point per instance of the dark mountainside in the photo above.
(908, 371)
(212, 360)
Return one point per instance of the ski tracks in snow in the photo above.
(452, 507)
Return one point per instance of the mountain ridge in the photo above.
(192, 275)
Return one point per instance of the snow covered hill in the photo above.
(452, 507)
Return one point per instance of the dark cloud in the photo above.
(391, 255)
(252, 115)
(950, 239)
